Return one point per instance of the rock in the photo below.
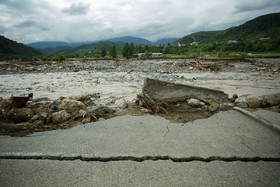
(86, 120)
(146, 110)
(232, 99)
(241, 100)
(71, 105)
(123, 105)
(60, 117)
(101, 119)
(18, 115)
(272, 99)
(82, 113)
(92, 109)
(33, 119)
(194, 103)
(242, 105)
(213, 107)
(43, 116)
(235, 96)
(255, 102)
(38, 122)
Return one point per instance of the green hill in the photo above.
(87, 48)
(10, 49)
(253, 30)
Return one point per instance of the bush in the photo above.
(216, 67)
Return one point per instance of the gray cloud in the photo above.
(77, 9)
(257, 5)
(29, 21)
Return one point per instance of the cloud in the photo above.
(91, 20)
(77, 9)
(244, 6)
(27, 23)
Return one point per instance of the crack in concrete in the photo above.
(164, 136)
(140, 159)
(244, 143)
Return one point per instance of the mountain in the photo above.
(80, 49)
(165, 41)
(10, 49)
(130, 39)
(41, 45)
(253, 30)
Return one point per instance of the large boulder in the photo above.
(71, 105)
(18, 115)
(272, 99)
(60, 117)
(255, 102)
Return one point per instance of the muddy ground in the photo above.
(119, 82)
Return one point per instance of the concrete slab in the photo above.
(225, 134)
(167, 91)
(129, 173)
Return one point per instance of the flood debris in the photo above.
(183, 103)
(198, 65)
(21, 116)
(18, 102)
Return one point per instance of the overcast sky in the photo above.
(29, 21)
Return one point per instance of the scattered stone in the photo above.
(101, 119)
(242, 105)
(33, 119)
(71, 105)
(86, 120)
(60, 117)
(272, 99)
(18, 115)
(123, 105)
(255, 102)
(146, 110)
(82, 113)
(194, 103)
(43, 116)
(213, 107)
(241, 100)
(235, 96)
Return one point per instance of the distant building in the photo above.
(157, 54)
(232, 42)
(139, 55)
(179, 44)
(268, 38)
(194, 43)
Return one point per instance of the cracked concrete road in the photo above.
(227, 149)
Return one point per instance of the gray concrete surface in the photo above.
(227, 149)
(129, 173)
(157, 89)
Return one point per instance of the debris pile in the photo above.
(40, 114)
(198, 65)
(160, 97)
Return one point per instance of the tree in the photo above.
(126, 50)
(103, 52)
(112, 51)
(131, 50)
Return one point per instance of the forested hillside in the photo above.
(10, 49)
(260, 27)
